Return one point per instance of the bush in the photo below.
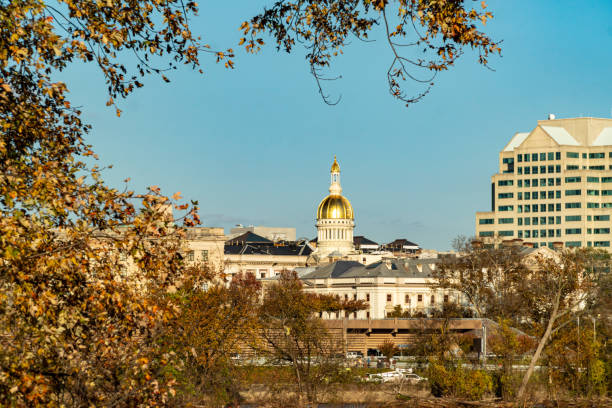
(457, 381)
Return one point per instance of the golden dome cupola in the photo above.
(335, 206)
(335, 219)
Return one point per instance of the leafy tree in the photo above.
(212, 325)
(424, 37)
(485, 277)
(556, 288)
(388, 349)
(292, 332)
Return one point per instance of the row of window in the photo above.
(598, 155)
(203, 256)
(541, 156)
(542, 220)
(542, 183)
(539, 169)
(576, 167)
(589, 179)
(550, 207)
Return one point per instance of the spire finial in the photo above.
(335, 168)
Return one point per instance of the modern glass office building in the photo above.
(554, 185)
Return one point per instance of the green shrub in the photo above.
(457, 381)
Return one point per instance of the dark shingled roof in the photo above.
(248, 238)
(361, 240)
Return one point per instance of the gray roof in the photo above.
(387, 268)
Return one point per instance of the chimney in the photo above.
(557, 245)
(528, 244)
(476, 244)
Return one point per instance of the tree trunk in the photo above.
(536, 355)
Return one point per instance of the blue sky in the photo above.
(254, 145)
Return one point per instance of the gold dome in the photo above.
(335, 168)
(335, 207)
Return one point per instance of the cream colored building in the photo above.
(384, 285)
(554, 185)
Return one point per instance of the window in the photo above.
(534, 208)
(485, 234)
(569, 218)
(505, 221)
(534, 195)
(557, 155)
(346, 297)
(572, 205)
(534, 220)
(606, 205)
(527, 234)
(263, 275)
(190, 256)
(601, 230)
(534, 169)
(593, 192)
(551, 155)
(486, 221)
(570, 231)
(551, 233)
(204, 255)
(572, 192)
(558, 219)
(534, 233)
(601, 218)
(573, 244)
(354, 296)
(542, 220)
(407, 299)
(520, 195)
(505, 208)
(506, 233)
(601, 243)
(597, 155)
(572, 155)
(558, 194)
(551, 220)
(592, 205)
(542, 169)
(505, 182)
(527, 170)
(584, 155)
(433, 299)
(520, 183)
(534, 157)
(367, 297)
(606, 192)
(527, 183)
(572, 179)
(527, 195)
(606, 179)
(505, 195)
(551, 194)
(527, 221)
(551, 182)
(368, 315)
(558, 180)
(519, 158)
(558, 168)
(551, 207)
(597, 167)
(542, 156)
(445, 298)
(519, 221)
(551, 168)
(519, 170)
(558, 233)
(520, 209)
(388, 297)
(527, 208)
(534, 182)
(542, 233)
(558, 206)
(593, 179)
(420, 298)
(526, 157)
(571, 167)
